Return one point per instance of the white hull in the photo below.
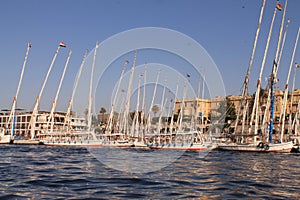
(124, 144)
(27, 142)
(280, 147)
(189, 147)
(5, 139)
(137, 144)
(86, 143)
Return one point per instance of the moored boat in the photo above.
(82, 143)
(5, 138)
(193, 141)
(260, 147)
(27, 142)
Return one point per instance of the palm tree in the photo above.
(86, 111)
(155, 109)
(102, 111)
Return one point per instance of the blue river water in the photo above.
(41, 172)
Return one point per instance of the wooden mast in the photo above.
(291, 100)
(12, 111)
(35, 109)
(143, 104)
(276, 62)
(287, 87)
(67, 119)
(127, 104)
(110, 119)
(256, 99)
(245, 86)
(266, 113)
(91, 89)
(152, 102)
(135, 123)
(162, 105)
(179, 120)
(51, 117)
(172, 117)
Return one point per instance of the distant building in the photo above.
(22, 120)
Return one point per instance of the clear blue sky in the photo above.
(226, 29)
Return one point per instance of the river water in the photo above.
(41, 172)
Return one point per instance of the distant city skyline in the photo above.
(225, 29)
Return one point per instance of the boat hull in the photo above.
(185, 147)
(6, 139)
(27, 142)
(75, 144)
(280, 147)
(119, 145)
(296, 149)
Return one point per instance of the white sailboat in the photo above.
(295, 127)
(191, 141)
(5, 136)
(121, 137)
(83, 137)
(181, 139)
(263, 143)
(33, 119)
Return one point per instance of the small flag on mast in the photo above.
(278, 6)
(62, 44)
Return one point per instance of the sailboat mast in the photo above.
(136, 121)
(57, 93)
(245, 86)
(168, 115)
(181, 108)
(272, 78)
(67, 119)
(283, 43)
(256, 99)
(143, 104)
(12, 111)
(265, 117)
(172, 117)
(35, 109)
(161, 107)
(196, 106)
(292, 96)
(287, 86)
(296, 119)
(152, 102)
(202, 105)
(91, 88)
(127, 105)
(110, 120)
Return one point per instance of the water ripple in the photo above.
(40, 172)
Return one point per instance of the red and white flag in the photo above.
(62, 44)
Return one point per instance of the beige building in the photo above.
(193, 107)
(295, 96)
(209, 107)
(22, 120)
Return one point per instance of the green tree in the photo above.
(155, 109)
(102, 112)
(86, 111)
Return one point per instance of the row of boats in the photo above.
(140, 132)
(190, 141)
